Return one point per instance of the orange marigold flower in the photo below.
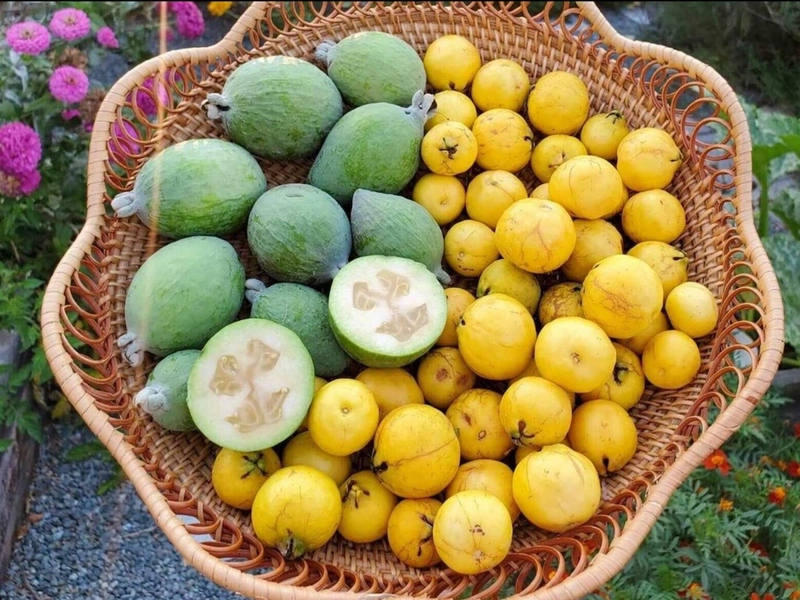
(758, 549)
(695, 592)
(797, 430)
(754, 596)
(777, 495)
(795, 595)
(718, 460)
(766, 460)
(725, 505)
(793, 469)
(781, 464)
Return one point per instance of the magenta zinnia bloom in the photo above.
(146, 101)
(28, 38)
(70, 113)
(70, 24)
(126, 140)
(20, 148)
(19, 185)
(68, 84)
(189, 20)
(107, 38)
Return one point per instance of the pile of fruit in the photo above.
(392, 381)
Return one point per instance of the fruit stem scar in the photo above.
(380, 468)
(449, 148)
(576, 358)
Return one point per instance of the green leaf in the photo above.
(30, 424)
(784, 252)
(787, 206)
(113, 482)
(5, 444)
(85, 451)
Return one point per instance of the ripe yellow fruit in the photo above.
(297, 510)
(552, 152)
(638, 342)
(623, 295)
(343, 417)
(561, 300)
(301, 450)
(532, 371)
(443, 376)
(523, 451)
(442, 196)
(536, 412)
(458, 300)
(416, 453)
(595, 240)
(469, 247)
(490, 193)
(626, 385)
(475, 415)
(671, 360)
(653, 216)
(449, 148)
(692, 309)
(452, 106)
(667, 261)
(500, 83)
(451, 62)
(536, 235)
(647, 159)
(575, 354)
(318, 383)
(541, 191)
(496, 337)
(618, 208)
(589, 187)
(391, 388)
(556, 488)
(410, 532)
(558, 103)
(605, 434)
(503, 277)
(366, 507)
(472, 532)
(602, 134)
(488, 475)
(505, 141)
(237, 476)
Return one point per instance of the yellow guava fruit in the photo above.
(449, 148)
(505, 141)
(301, 450)
(552, 152)
(391, 388)
(458, 300)
(237, 476)
(604, 433)
(653, 216)
(410, 532)
(469, 247)
(523, 451)
(595, 240)
(451, 62)
(619, 207)
(475, 415)
(490, 476)
(589, 187)
(532, 371)
(626, 384)
(692, 309)
(638, 342)
(318, 383)
(443, 376)
(561, 300)
(443, 196)
(541, 191)
(647, 159)
(452, 106)
(667, 261)
(558, 103)
(500, 83)
(490, 193)
(366, 507)
(671, 360)
(503, 277)
(602, 133)
(535, 412)
(343, 417)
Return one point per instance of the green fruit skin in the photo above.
(171, 375)
(304, 311)
(281, 108)
(184, 293)
(373, 66)
(198, 187)
(299, 234)
(373, 147)
(371, 359)
(389, 225)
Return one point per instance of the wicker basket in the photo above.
(83, 312)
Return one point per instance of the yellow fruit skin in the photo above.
(443, 376)
(472, 532)
(237, 476)
(536, 235)
(366, 507)
(449, 148)
(343, 417)
(441, 195)
(561, 300)
(496, 337)
(452, 106)
(638, 342)
(490, 193)
(558, 103)
(451, 63)
(500, 83)
(469, 247)
(297, 510)
(503, 277)
(623, 295)
(541, 191)
(589, 187)
(671, 360)
(556, 488)
(536, 412)
(575, 354)
(391, 388)
(552, 152)
(458, 300)
(647, 159)
(416, 453)
(410, 532)
(626, 386)
(595, 240)
(488, 475)
(653, 216)
(602, 134)
(475, 415)
(667, 261)
(505, 142)
(605, 434)
(301, 450)
(692, 309)
(523, 451)
(318, 383)
(532, 371)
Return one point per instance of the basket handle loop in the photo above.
(247, 22)
(603, 27)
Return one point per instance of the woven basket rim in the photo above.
(625, 544)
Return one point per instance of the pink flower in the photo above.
(68, 84)
(145, 100)
(20, 148)
(28, 38)
(70, 113)
(124, 140)
(107, 38)
(70, 24)
(19, 185)
(189, 20)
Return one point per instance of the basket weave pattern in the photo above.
(83, 312)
